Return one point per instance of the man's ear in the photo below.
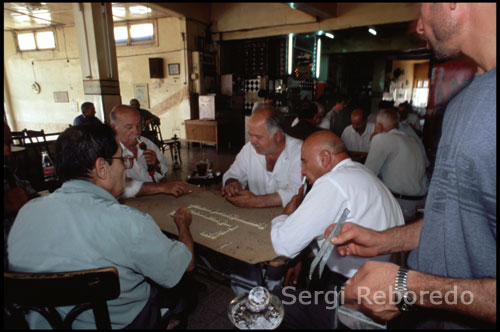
(101, 168)
(324, 158)
(278, 136)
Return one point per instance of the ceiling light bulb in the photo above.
(372, 31)
(329, 35)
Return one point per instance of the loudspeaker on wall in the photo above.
(156, 68)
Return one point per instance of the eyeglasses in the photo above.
(127, 161)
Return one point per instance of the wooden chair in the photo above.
(38, 141)
(42, 292)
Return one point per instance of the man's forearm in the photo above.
(150, 188)
(186, 238)
(268, 200)
(472, 297)
(402, 238)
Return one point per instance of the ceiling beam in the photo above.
(321, 10)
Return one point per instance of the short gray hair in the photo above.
(274, 120)
(389, 118)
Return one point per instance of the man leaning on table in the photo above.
(126, 121)
(269, 164)
(82, 226)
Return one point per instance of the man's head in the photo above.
(309, 111)
(126, 121)
(321, 152)
(266, 130)
(403, 110)
(441, 25)
(339, 101)
(358, 121)
(91, 153)
(88, 109)
(387, 119)
(7, 140)
(135, 103)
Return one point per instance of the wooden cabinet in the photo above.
(202, 131)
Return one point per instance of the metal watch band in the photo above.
(403, 300)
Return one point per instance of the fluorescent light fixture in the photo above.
(292, 5)
(320, 32)
(372, 31)
(318, 56)
(329, 35)
(290, 52)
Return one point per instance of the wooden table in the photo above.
(245, 242)
(202, 131)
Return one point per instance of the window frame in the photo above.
(128, 24)
(34, 32)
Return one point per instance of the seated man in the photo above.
(309, 117)
(356, 136)
(407, 116)
(82, 226)
(338, 183)
(338, 117)
(87, 116)
(269, 164)
(150, 165)
(399, 162)
(146, 119)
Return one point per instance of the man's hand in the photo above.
(292, 275)
(355, 240)
(176, 188)
(232, 188)
(150, 157)
(14, 199)
(370, 290)
(183, 217)
(294, 202)
(244, 198)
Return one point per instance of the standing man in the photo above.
(399, 162)
(269, 164)
(454, 246)
(82, 226)
(337, 118)
(87, 116)
(149, 165)
(356, 136)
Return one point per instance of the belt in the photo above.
(411, 198)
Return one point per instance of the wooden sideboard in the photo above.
(202, 131)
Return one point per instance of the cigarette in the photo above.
(304, 186)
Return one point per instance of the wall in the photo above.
(60, 71)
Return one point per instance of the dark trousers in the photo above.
(315, 307)
(181, 300)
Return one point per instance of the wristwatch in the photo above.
(404, 301)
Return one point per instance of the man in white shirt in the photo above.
(356, 136)
(399, 162)
(269, 164)
(408, 117)
(150, 165)
(338, 183)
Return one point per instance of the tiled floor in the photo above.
(211, 311)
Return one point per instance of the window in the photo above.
(134, 33)
(36, 40)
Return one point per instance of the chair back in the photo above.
(42, 292)
(19, 137)
(38, 140)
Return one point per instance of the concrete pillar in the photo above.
(96, 46)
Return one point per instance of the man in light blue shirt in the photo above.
(83, 226)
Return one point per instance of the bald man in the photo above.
(269, 164)
(356, 136)
(337, 183)
(150, 165)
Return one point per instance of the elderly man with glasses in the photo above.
(83, 226)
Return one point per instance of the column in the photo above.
(96, 46)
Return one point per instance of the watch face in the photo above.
(404, 302)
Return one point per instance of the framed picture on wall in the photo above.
(174, 69)
(141, 93)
